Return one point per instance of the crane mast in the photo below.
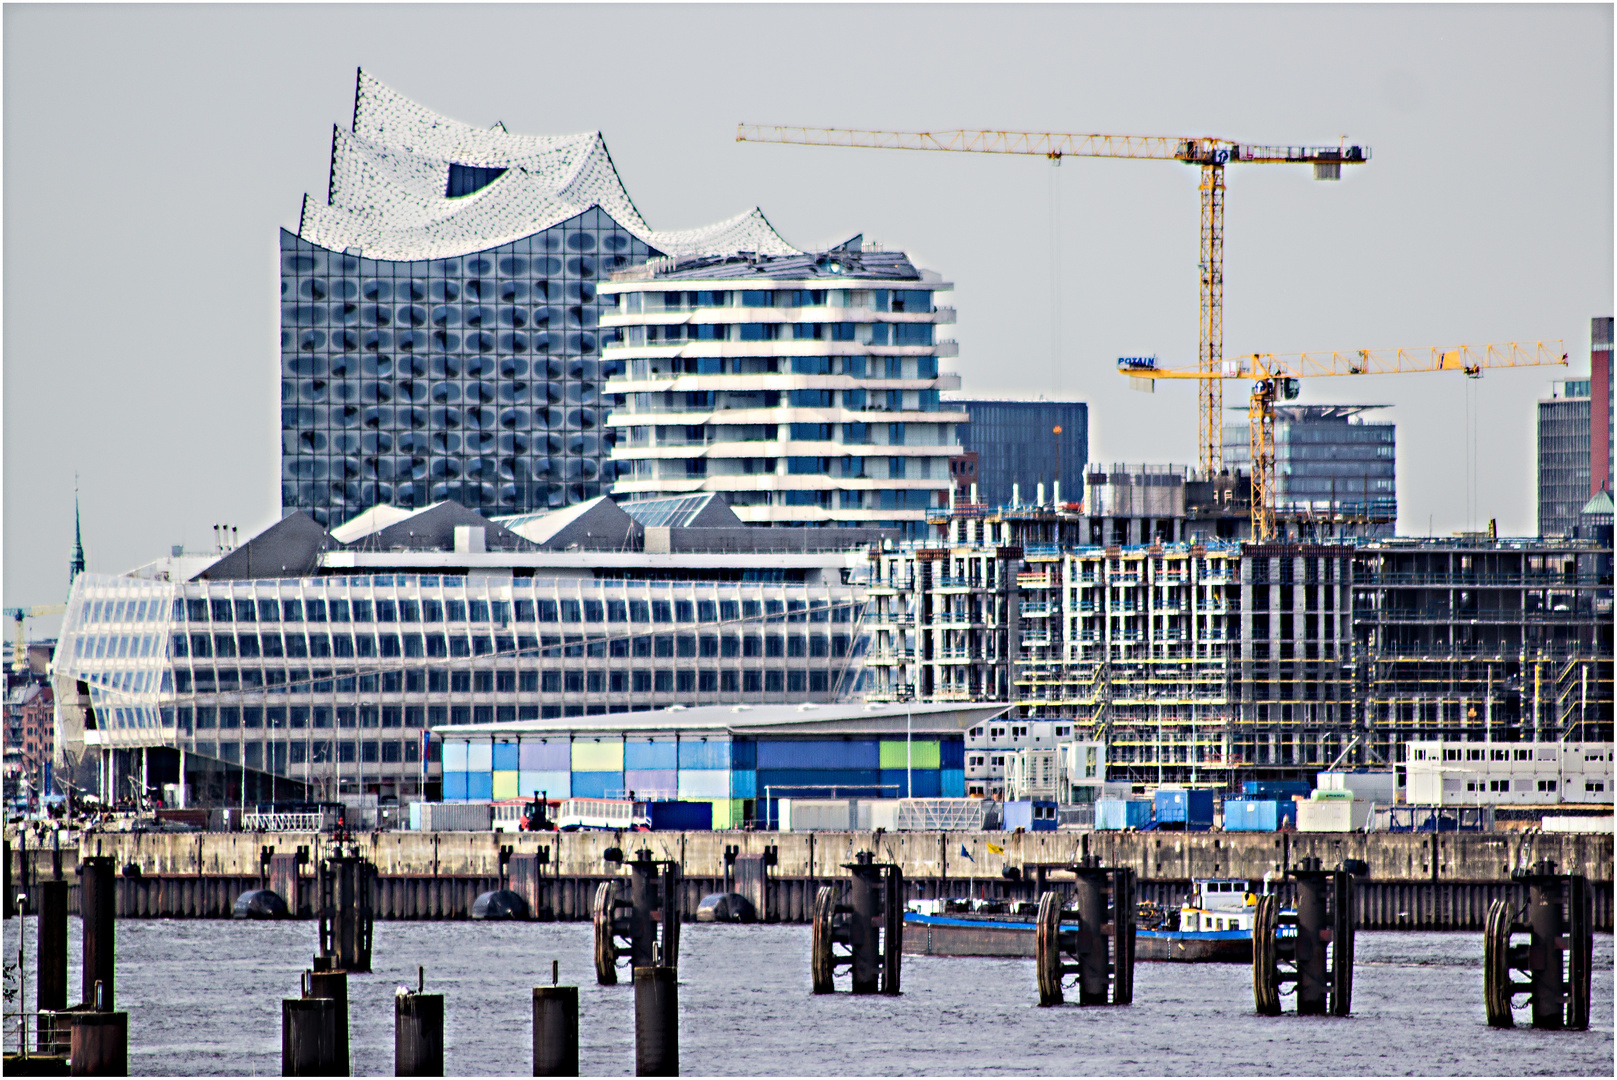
(1210, 154)
(1274, 377)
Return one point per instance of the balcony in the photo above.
(1038, 579)
(1038, 609)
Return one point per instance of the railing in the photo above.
(1036, 608)
(955, 581)
(1040, 580)
(271, 821)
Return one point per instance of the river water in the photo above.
(203, 999)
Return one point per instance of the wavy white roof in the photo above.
(388, 178)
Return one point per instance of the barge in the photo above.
(1213, 925)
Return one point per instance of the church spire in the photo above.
(76, 567)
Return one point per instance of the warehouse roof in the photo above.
(851, 718)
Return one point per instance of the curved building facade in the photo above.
(440, 317)
(804, 389)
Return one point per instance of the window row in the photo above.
(500, 611)
(602, 681)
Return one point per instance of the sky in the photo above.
(151, 155)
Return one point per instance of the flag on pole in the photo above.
(996, 849)
(964, 854)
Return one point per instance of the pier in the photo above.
(1415, 881)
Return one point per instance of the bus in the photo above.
(626, 814)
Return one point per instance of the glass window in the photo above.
(456, 610)
(478, 611)
(362, 611)
(432, 611)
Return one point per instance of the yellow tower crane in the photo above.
(19, 649)
(1211, 154)
(1275, 378)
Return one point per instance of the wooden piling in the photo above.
(309, 1038)
(418, 1034)
(99, 1044)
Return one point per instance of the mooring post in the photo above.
(1313, 991)
(1545, 927)
(1097, 946)
(309, 1038)
(333, 985)
(864, 898)
(555, 1029)
(1094, 963)
(99, 1044)
(656, 1021)
(49, 898)
(98, 908)
(418, 1030)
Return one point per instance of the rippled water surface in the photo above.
(204, 999)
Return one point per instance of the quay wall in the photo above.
(1418, 881)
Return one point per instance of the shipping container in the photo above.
(952, 754)
(1258, 815)
(817, 815)
(1370, 785)
(596, 785)
(704, 783)
(952, 782)
(1188, 809)
(556, 784)
(597, 755)
(1029, 815)
(452, 817)
(704, 754)
(1276, 789)
(743, 784)
(651, 783)
(641, 755)
(680, 816)
(839, 754)
(545, 755)
(1332, 815)
(1123, 813)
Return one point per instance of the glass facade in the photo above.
(1328, 458)
(332, 679)
(1016, 443)
(477, 379)
(1563, 458)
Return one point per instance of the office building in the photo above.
(1600, 462)
(803, 389)
(1564, 447)
(440, 321)
(1018, 443)
(311, 661)
(740, 759)
(1331, 464)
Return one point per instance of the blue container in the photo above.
(744, 754)
(1123, 813)
(1279, 790)
(951, 753)
(1190, 809)
(952, 783)
(713, 754)
(1030, 815)
(682, 816)
(838, 754)
(1258, 815)
(744, 784)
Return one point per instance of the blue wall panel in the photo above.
(713, 754)
(927, 784)
(454, 786)
(639, 754)
(745, 783)
(597, 785)
(818, 778)
(552, 756)
(479, 786)
(819, 754)
(505, 757)
(952, 753)
(454, 755)
(652, 783)
(555, 783)
(952, 783)
(479, 757)
(744, 754)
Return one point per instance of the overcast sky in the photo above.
(152, 154)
